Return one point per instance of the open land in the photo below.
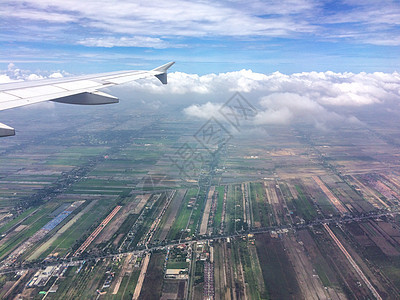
(94, 209)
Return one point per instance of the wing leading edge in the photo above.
(82, 90)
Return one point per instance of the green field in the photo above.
(182, 216)
(16, 220)
(250, 271)
(304, 207)
(79, 229)
(33, 224)
(262, 211)
(218, 213)
(173, 264)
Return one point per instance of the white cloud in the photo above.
(369, 22)
(204, 111)
(281, 99)
(14, 74)
(6, 79)
(56, 75)
(34, 14)
(281, 115)
(372, 22)
(276, 108)
(34, 77)
(136, 41)
(283, 108)
(325, 88)
(172, 18)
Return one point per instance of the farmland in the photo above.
(289, 213)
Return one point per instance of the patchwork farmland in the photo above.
(289, 213)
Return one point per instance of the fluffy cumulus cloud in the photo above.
(5, 79)
(280, 98)
(284, 108)
(326, 88)
(15, 74)
(204, 111)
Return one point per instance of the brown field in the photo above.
(279, 275)
(113, 226)
(152, 285)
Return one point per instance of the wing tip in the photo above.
(162, 70)
(164, 67)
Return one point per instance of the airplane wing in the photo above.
(73, 90)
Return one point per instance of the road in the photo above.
(353, 263)
(321, 222)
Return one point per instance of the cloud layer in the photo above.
(326, 88)
(364, 21)
(280, 98)
(314, 97)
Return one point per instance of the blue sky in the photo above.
(203, 37)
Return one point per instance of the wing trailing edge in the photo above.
(94, 98)
(6, 130)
